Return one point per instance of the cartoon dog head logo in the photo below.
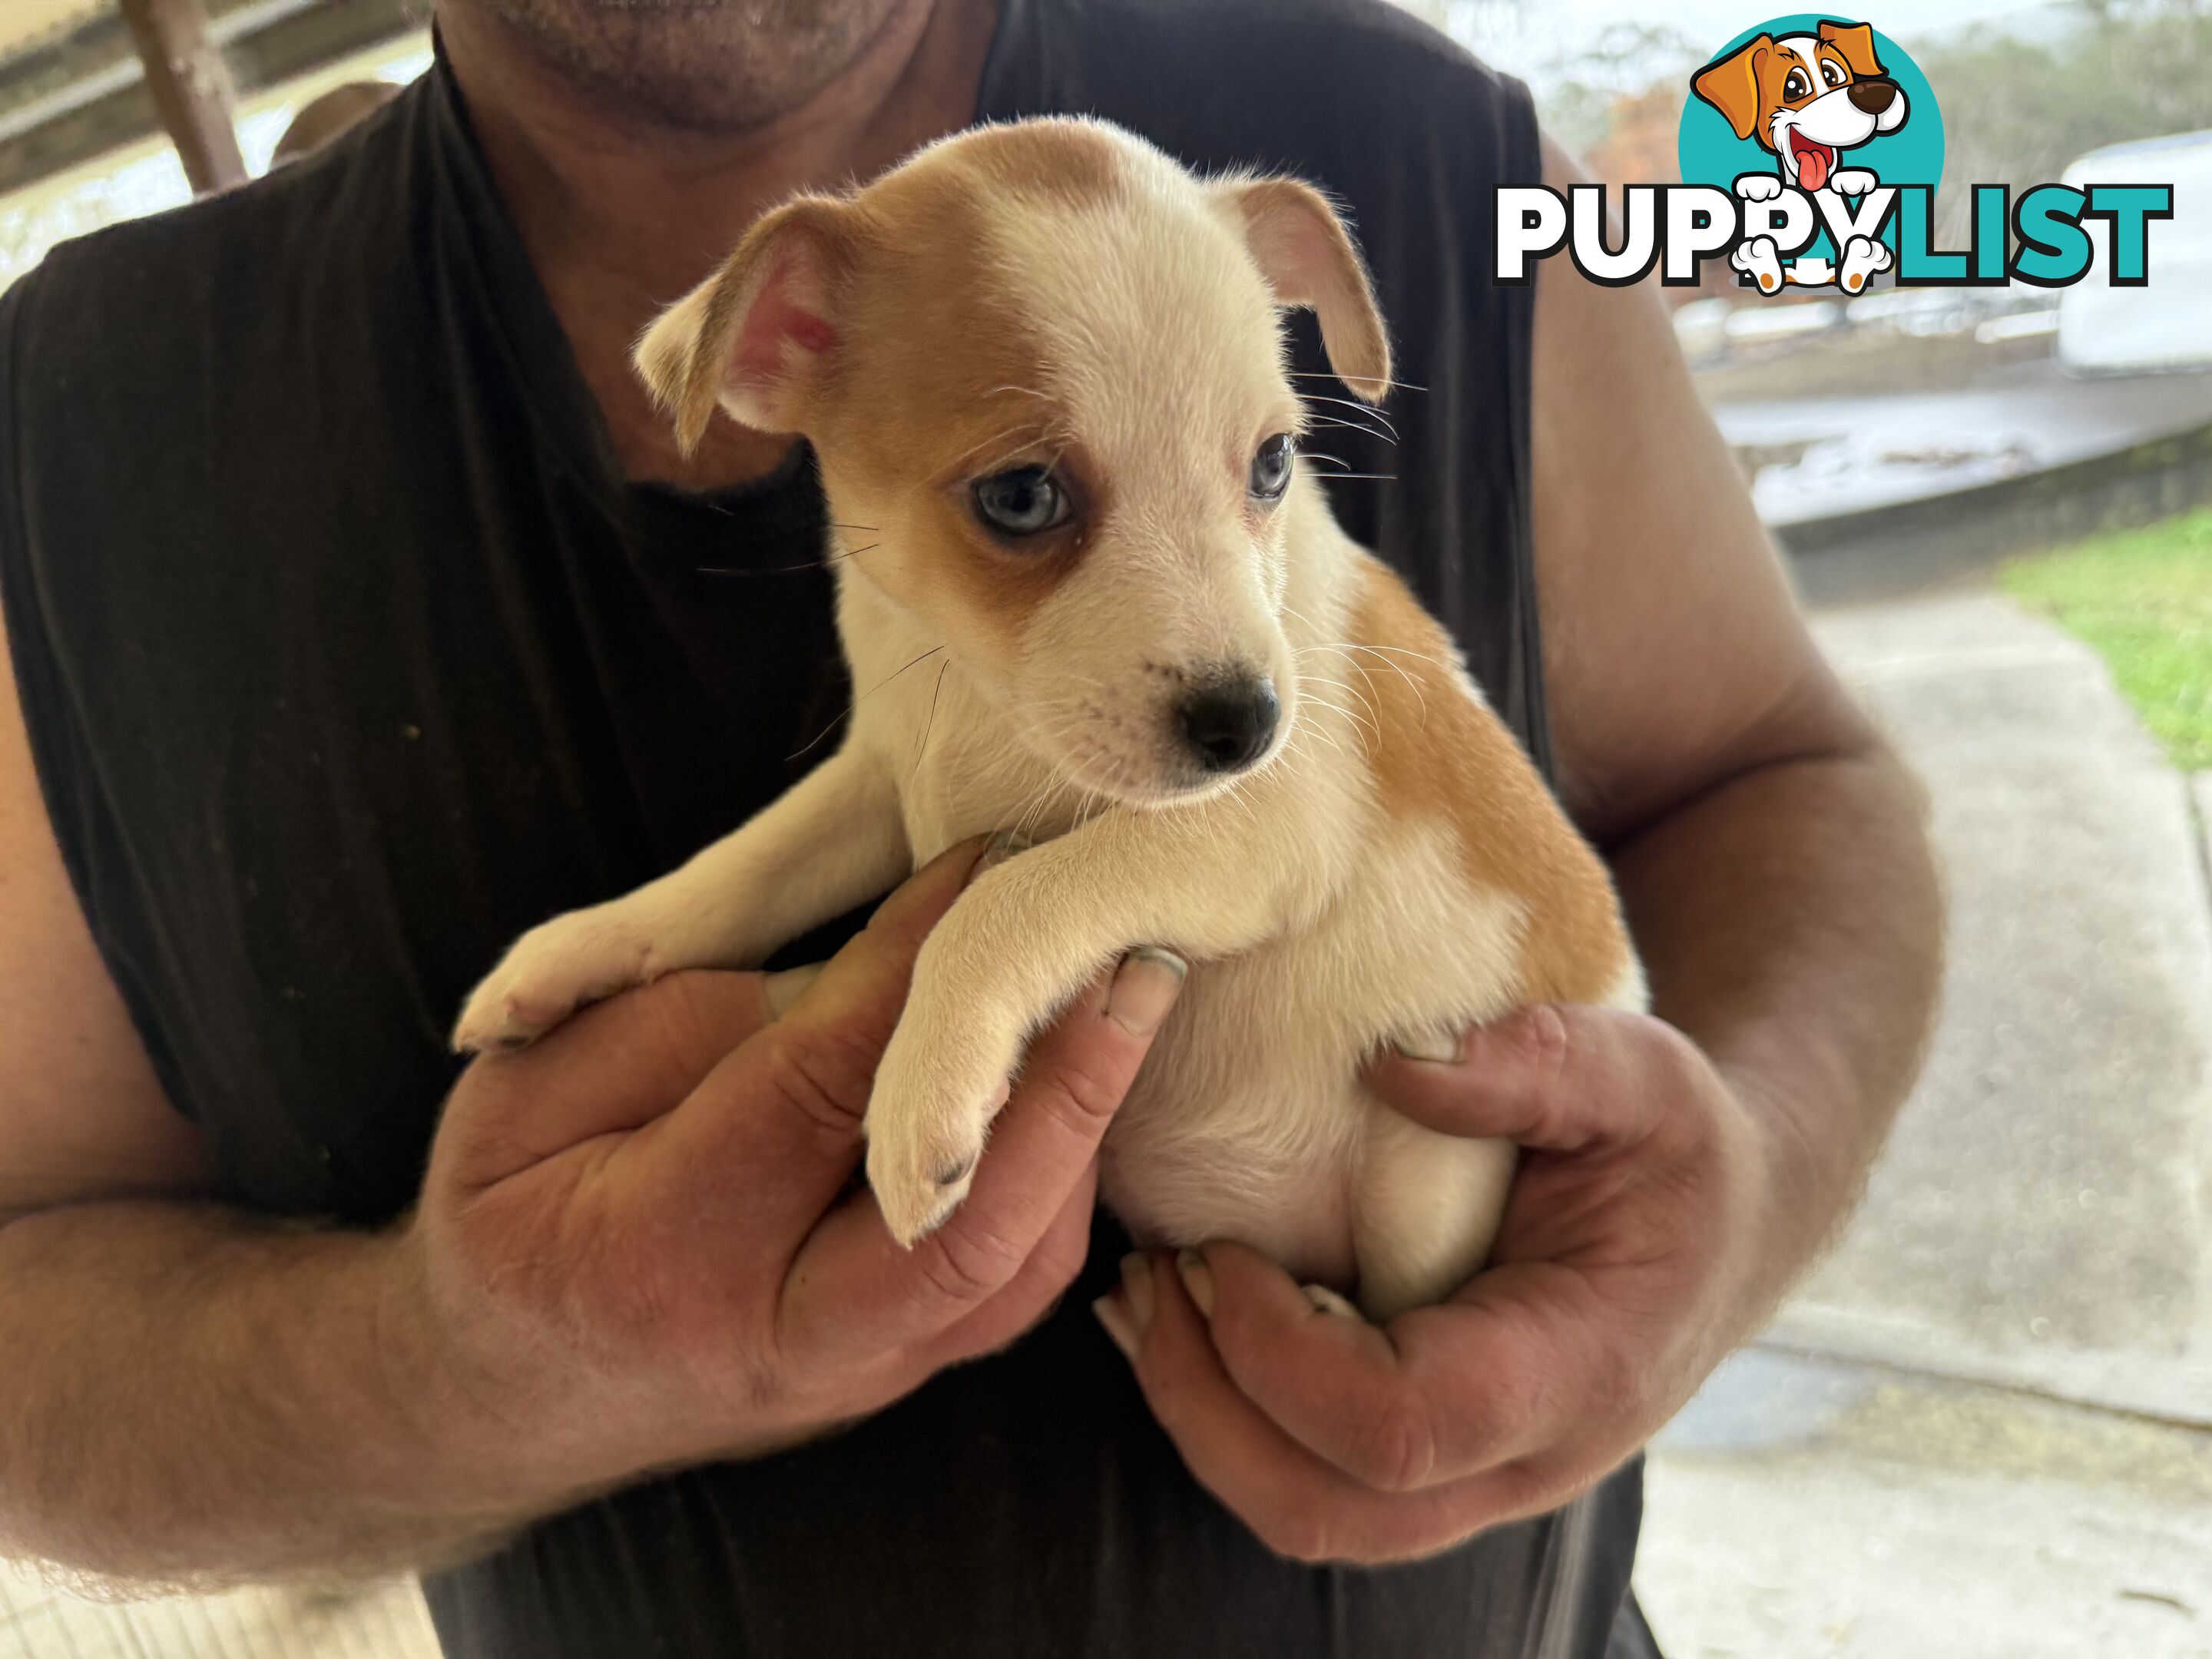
(1793, 117)
(1807, 99)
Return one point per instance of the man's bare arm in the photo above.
(197, 1395)
(1768, 845)
(190, 1389)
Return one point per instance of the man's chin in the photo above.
(704, 66)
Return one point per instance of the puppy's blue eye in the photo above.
(1271, 467)
(1023, 501)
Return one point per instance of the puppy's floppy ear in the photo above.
(757, 336)
(1731, 84)
(1307, 256)
(1856, 42)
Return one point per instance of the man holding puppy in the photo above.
(361, 611)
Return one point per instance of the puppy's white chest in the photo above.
(957, 769)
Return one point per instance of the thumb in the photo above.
(613, 1066)
(1559, 1076)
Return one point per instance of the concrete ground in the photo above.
(1984, 1429)
(41, 1617)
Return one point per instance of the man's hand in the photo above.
(640, 1242)
(1629, 1261)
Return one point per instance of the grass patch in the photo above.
(2143, 598)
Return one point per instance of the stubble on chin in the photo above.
(697, 65)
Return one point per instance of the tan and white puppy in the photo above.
(1099, 603)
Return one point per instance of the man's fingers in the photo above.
(1443, 1395)
(1051, 1267)
(854, 1287)
(1298, 1504)
(785, 1107)
(1555, 1075)
(610, 1067)
(621, 1063)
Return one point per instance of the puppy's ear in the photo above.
(757, 336)
(1307, 256)
(1731, 84)
(1856, 42)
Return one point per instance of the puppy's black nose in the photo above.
(1230, 723)
(1873, 96)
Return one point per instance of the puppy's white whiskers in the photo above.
(1316, 374)
(1376, 433)
(1412, 684)
(934, 695)
(1366, 410)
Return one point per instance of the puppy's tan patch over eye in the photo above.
(1023, 501)
(1271, 468)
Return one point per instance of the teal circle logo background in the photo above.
(1709, 152)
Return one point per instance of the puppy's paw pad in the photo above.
(940, 1084)
(916, 1197)
(552, 971)
(1326, 1301)
(493, 1021)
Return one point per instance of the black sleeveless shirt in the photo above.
(348, 652)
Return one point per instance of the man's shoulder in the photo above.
(208, 283)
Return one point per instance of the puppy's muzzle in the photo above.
(1228, 722)
(1874, 95)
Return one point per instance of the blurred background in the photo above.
(1983, 1429)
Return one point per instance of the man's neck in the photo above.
(621, 216)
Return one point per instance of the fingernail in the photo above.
(1117, 1326)
(1138, 1291)
(1197, 1280)
(1003, 846)
(1145, 988)
(784, 988)
(1441, 1048)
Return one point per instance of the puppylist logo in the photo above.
(1810, 149)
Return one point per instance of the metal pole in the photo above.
(191, 88)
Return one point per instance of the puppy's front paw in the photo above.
(1853, 181)
(935, 1095)
(1759, 186)
(1323, 1300)
(552, 971)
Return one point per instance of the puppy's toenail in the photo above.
(953, 1173)
(513, 1044)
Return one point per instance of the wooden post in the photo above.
(191, 88)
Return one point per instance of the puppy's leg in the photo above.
(1424, 1208)
(832, 839)
(1021, 941)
